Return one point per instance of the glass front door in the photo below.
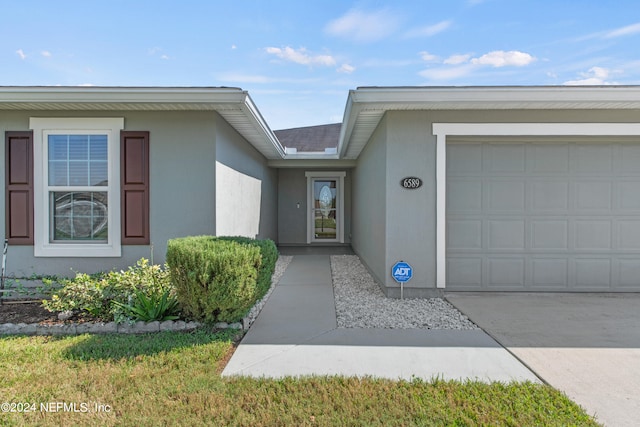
(324, 215)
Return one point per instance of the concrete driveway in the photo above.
(586, 345)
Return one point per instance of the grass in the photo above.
(173, 378)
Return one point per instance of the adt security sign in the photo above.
(402, 272)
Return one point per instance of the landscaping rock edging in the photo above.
(58, 329)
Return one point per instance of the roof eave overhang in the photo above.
(366, 106)
(233, 104)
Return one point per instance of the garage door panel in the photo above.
(592, 159)
(505, 272)
(465, 272)
(550, 234)
(630, 159)
(468, 196)
(505, 158)
(549, 273)
(549, 196)
(464, 234)
(593, 196)
(506, 234)
(464, 159)
(628, 196)
(505, 196)
(593, 235)
(628, 270)
(592, 273)
(544, 216)
(548, 158)
(628, 234)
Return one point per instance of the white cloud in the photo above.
(46, 54)
(429, 30)
(346, 68)
(300, 56)
(460, 65)
(457, 59)
(594, 77)
(623, 31)
(21, 54)
(500, 58)
(364, 26)
(428, 57)
(165, 57)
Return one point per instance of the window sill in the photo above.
(76, 250)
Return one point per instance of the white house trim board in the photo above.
(442, 130)
(310, 175)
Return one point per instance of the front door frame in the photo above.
(339, 177)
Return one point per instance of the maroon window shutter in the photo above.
(19, 187)
(134, 187)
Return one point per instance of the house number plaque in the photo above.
(411, 183)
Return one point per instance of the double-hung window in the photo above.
(76, 186)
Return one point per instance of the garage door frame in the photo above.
(443, 130)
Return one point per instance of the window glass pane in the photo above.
(78, 173)
(78, 147)
(98, 147)
(58, 173)
(98, 174)
(57, 147)
(79, 216)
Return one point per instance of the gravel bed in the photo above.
(360, 303)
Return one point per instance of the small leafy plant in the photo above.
(151, 307)
(107, 296)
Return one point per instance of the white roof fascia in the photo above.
(312, 163)
(367, 105)
(233, 104)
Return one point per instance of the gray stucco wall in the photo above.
(370, 204)
(292, 189)
(391, 224)
(411, 227)
(182, 186)
(246, 188)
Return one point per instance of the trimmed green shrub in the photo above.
(269, 255)
(220, 279)
(104, 295)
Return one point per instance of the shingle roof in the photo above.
(311, 138)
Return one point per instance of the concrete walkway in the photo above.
(296, 334)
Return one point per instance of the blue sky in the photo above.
(298, 59)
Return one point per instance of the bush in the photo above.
(105, 295)
(220, 279)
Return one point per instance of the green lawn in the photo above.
(174, 378)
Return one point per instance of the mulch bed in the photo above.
(25, 312)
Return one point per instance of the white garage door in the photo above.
(534, 215)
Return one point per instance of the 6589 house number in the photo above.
(411, 183)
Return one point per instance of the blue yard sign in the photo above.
(401, 272)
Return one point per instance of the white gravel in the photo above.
(360, 303)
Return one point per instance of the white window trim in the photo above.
(339, 204)
(42, 246)
(442, 130)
